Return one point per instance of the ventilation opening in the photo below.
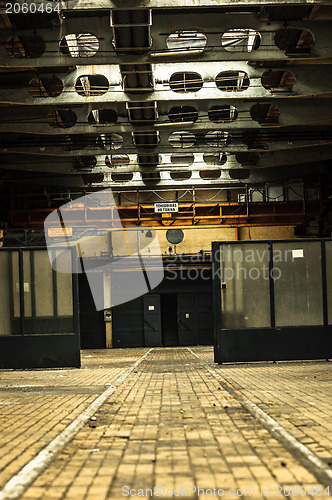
(25, 47)
(148, 160)
(215, 158)
(74, 142)
(102, 117)
(186, 82)
(294, 41)
(92, 85)
(117, 160)
(62, 118)
(241, 40)
(45, 86)
(124, 177)
(182, 139)
(239, 173)
(223, 114)
(82, 45)
(215, 138)
(110, 141)
(180, 176)
(182, 158)
(247, 158)
(208, 175)
(278, 80)
(232, 81)
(84, 163)
(93, 178)
(186, 40)
(183, 114)
(255, 139)
(265, 114)
(150, 177)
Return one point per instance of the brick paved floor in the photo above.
(168, 425)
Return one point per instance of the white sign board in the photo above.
(297, 254)
(166, 207)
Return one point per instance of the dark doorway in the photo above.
(91, 321)
(152, 326)
(169, 320)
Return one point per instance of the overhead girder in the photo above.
(168, 4)
(213, 26)
(271, 159)
(256, 176)
(33, 120)
(307, 83)
(267, 140)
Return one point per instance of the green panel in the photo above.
(5, 308)
(328, 246)
(245, 303)
(298, 283)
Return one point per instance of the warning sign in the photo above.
(60, 232)
(166, 207)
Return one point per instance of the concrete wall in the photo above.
(200, 238)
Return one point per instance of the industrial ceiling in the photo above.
(166, 96)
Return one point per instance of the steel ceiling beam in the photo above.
(211, 26)
(307, 84)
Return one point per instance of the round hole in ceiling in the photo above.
(182, 158)
(223, 114)
(247, 158)
(91, 85)
(184, 40)
(62, 118)
(110, 141)
(117, 160)
(183, 114)
(102, 117)
(183, 175)
(215, 158)
(255, 139)
(79, 45)
(45, 86)
(217, 138)
(265, 113)
(239, 173)
(74, 142)
(240, 40)
(84, 163)
(208, 175)
(232, 81)
(278, 80)
(294, 41)
(186, 82)
(25, 46)
(122, 176)
(182, 139)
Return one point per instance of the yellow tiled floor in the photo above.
(169, 425)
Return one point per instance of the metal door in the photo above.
(187, 319)
(152, 322)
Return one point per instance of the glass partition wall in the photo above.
(273, 299)
(37, 303)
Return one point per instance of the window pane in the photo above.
(5, 309)
(43, 284)
(64, 284)
(298, 283)
(328, 246)
(246, 300)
